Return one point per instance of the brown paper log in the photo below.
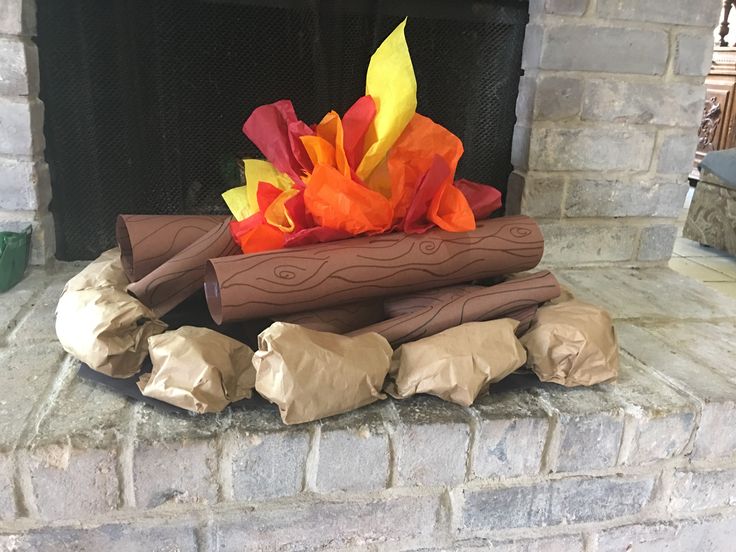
(439, 312)
(404, 304)
(181, 276)
(346, 271)
(340, 319)
(148, 241)
(412, 302)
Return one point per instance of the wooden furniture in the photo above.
(723, 31)
(711, 219)
(718, 127)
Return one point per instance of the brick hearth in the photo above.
(530, 467)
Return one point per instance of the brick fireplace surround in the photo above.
(607, 116)
(607, 113)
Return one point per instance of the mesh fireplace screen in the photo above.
(145, 100)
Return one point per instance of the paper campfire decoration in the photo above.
(381, 167)
(359, 255)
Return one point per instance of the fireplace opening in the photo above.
(145, 100)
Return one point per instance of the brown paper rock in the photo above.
(182, 275)
(105, 271)
(100, 324)
(148, 241)
(340, 320)
(328, 274)
(198, 369)
(432, 312)
(457, 364)
(106, 328)
(312, 375)
(572, 343)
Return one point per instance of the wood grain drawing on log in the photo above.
(434, 313)
(287, 281)
(148, 241)
(339, 319)
(181, 276)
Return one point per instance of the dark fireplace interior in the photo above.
(145, 100)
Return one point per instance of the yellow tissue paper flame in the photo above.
(391, 83)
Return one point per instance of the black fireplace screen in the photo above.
(145, 99)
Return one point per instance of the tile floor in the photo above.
(715, 268)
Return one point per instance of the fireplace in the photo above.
(606, 115)
(606, 111)
(146, 100)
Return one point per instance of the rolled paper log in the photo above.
(182, 275)
(404, 304)
(148, 241)
(328, 274)
(475, 305)
(338, 320)
(412, 302)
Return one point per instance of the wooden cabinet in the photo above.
(718, 129)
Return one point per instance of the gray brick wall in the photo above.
(25, 189)
(607, 124)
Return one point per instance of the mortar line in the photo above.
(629, 433)
(552, 442)
(25, 310)
(125, 458)
(669, 70)
(662, 491)
(205, 535)
(23, 495)
(558, 20)
(638, 78)
(590, 11)
(590, 541)
(311, 465)
(445, 515)
(226, 450)
(392, 422)
(155, 517)
(603, 125)
(456, 499)
(473, 437)
(68, 368)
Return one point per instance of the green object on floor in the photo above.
(15, 249)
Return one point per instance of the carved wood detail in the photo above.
(718, 125)
(709, 125)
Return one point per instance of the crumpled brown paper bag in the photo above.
(107, 329)
(105, 271)
(198, 369)
(311, 374)
(100, 324)
(459, 363)
(572, 343)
